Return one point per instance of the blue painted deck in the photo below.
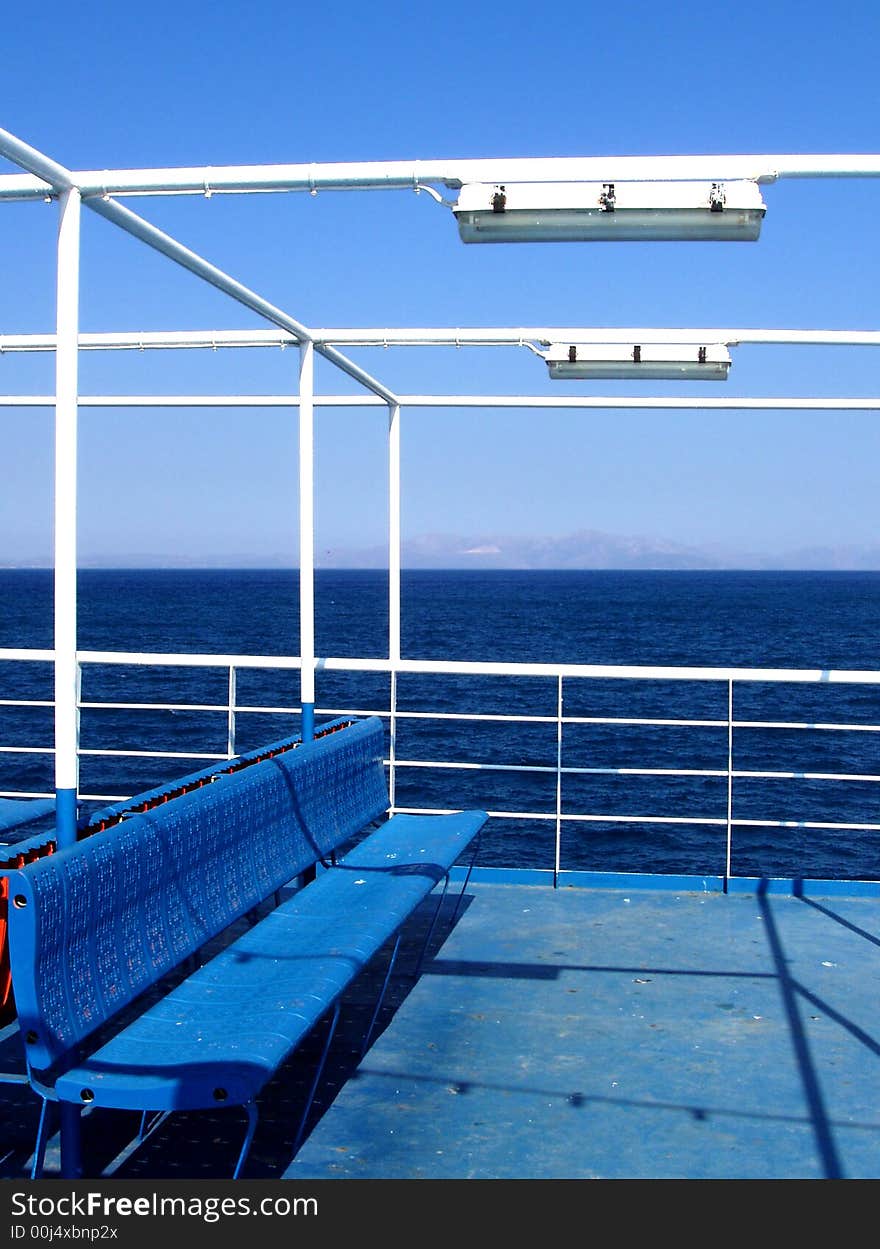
(615, 1032)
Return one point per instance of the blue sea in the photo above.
(814, 620)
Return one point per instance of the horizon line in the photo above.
(41, 567)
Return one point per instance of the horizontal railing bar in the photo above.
(462, 765)
(647, 721)
(472, 668)
(807, 776)
(467, 667)
(288, 711)
(156, 707)
(105, 797)
(475, 767)
(462, 716)
(737, 823)
(782, 724)
(472, 716)
(552, 815)
(570, 770)
(154, 754)
(538, 815)
(646, 819)
(27, 702)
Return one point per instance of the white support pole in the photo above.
(230, 714)
(729, 842)
(307, 538)
(557, 865)
(66, 386)
(393, 579)
(394, 532)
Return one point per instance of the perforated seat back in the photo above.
(338, 784)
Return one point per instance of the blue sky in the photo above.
(109, 86)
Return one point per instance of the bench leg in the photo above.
(148, 1125)
(71, 1141)
(381, 998)
(41, 1141)
(458, 903)
(311, 1097)
(434, 919)
(253, 1114)
(466, 879)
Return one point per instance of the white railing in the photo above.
(393, 714)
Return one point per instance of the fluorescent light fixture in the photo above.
(533, 212)
(648, 362)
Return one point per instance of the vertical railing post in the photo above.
(307, 538)
(558, 857)
(728, 855)
(66, 402)
(393, 583)
(230, 715)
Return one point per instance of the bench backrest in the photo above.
(95, 925)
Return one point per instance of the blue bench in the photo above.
(97, 927)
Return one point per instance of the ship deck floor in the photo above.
(609, 1033)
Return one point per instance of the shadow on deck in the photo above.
(572, 1033)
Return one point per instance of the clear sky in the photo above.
(100, 85)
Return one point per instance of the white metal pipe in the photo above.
(394, 532)
(728, 856)
(42, 170)
(557, 857)
(523, 335)
(443, 337)
(355, 371)
(18, 654)
(164, 243)
(574, 402)
(394, 562)
(61, 180)
(453, 667)
(230, 715)
(65, 527)
(307, 538)
(403, 175)
(168, 246)
(669, 403)
(154, 340)
(155, 754)
(195, 401)
(456, 716)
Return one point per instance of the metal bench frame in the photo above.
(255, 830)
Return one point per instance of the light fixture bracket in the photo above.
(531, 212)
(638, 362)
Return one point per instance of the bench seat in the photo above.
(229, 1026)
(101, 929)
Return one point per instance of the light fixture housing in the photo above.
(639, 362)
(534, 212)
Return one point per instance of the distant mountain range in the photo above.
(594, 549)
(585, 549)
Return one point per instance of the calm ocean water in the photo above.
(768, 620)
